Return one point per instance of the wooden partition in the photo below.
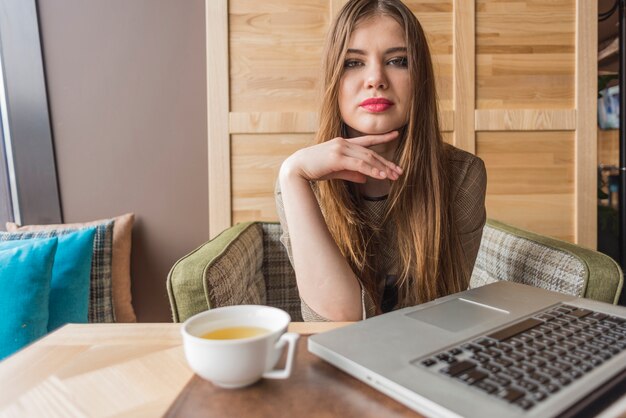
(516, 82)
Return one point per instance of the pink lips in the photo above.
(376, 104)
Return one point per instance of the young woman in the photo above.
(380, 214)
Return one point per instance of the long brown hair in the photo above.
(419, 203)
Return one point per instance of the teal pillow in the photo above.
(25, 274)
(69, 287)
(100, 293)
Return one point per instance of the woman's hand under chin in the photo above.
(343, 158)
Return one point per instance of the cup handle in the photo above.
(290, 338)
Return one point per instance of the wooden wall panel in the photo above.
(218, 105)
(525, 119)
(528, 162)
(586, 213)
(549, 214)
(608, 146)
(275, 49)
(525, 54)
(464, 75)
(527, 66)
(255, 164)
(513, 79)
(530, 174)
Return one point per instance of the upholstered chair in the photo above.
(247, 264)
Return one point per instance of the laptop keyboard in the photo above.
(527, 362)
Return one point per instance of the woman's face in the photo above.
(374, 90)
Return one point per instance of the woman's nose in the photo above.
(375, 78)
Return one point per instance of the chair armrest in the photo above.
(509, 253)
(221, 272)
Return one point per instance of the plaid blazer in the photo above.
(468, 184)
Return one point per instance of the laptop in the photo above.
(501, 350)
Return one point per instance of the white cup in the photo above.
(235, 363)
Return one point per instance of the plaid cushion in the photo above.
(280, 278)
(234, 277)
(248, 263)
(505, 256)
(100, 293)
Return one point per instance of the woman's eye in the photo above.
(351, 63)
(399, 62)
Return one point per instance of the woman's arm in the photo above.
(325, 280)
(470, 213)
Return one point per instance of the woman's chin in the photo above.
(379, 130)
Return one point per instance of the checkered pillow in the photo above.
(280, 278)
(100, 294)
(234, 277)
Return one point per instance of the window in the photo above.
(28, 182)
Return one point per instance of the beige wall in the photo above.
(127, 93)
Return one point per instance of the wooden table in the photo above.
(102, 370)
(139, 370)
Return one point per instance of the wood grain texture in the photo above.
(102, 370)
(315, 388)
(528, 162)
(608, 146)
(335, 6)
(525, 54)
(275, 54)
(464, 87)
(586, 125)
(96, 370)
(273, 122)
(531, 179)
(217, 116)
(525, 119)
(256, 162)
(547, 214)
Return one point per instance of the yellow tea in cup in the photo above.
(234, 333)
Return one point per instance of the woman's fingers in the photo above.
(394, 170)
(373, 159)
(369, 140)
(361, 166)
(348, 156)
(335, 158)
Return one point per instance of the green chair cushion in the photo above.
(230, 270)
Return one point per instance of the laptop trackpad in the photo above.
(457, 314)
